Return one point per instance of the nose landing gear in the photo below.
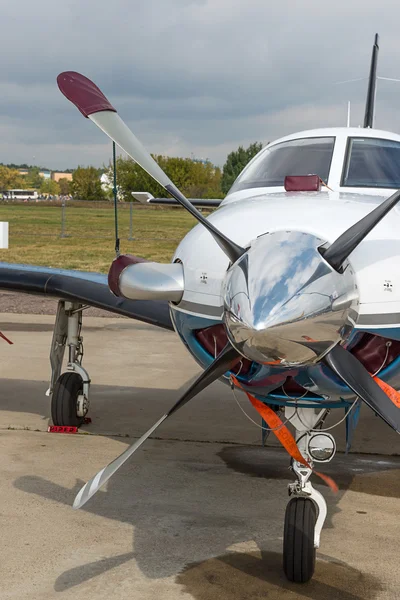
(306, 511)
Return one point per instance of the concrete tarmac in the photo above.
(197, 513)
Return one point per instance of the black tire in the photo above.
(298, 540)
(64, 400)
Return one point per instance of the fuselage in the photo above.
(252, 209)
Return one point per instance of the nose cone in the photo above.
(283, 304)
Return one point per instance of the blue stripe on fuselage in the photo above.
(318, 379)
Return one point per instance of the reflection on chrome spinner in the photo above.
(284, 304)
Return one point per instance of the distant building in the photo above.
(23, 172)
(57, 176)
(203, 161)
(107, 185)
(45, 174)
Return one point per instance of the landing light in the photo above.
(321, 447)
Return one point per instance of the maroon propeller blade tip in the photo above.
(83, 93)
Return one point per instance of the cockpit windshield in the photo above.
(372, 162)
(308, 156)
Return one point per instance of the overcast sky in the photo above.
(189, 76)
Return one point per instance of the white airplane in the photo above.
(290, 291)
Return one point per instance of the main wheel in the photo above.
(64, 400)
(298, 540)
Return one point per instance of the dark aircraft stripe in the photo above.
(379, 319)
(202, 309)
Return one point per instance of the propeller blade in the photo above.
(92, 103)
(341, 248)
(224, 362)
(356, 376)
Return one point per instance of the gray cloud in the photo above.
(189, 76)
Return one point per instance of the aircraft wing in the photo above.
(146, 198)
(83, 287)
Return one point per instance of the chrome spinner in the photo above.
(284, 304)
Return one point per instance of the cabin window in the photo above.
(372, 162)
(308, 156)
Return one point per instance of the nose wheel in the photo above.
(299, 550)
(306, 510)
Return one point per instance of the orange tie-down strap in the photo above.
(5, 338)
(393, 394)
(283, 434)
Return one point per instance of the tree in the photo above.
(204, 180)
(195, 179)
(131, 178)
(10, 179)
(86, 184)
(236, 162)
(48, 186)
(33, 179)
(65, 186)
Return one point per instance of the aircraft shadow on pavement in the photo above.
(185, 509)
(213, 416)
(359, 473)
(185, 531)
(238, 576)
(127, 412)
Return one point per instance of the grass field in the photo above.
(35, 234)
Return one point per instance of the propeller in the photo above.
(353, 373)
(224, 362)
(92, 103)
(341, 248)
(357, 378)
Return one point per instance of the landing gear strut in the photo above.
(69, 391)
(306, 510)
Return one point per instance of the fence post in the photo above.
(130, 238)
(63, 218)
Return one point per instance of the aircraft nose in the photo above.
(282, 297)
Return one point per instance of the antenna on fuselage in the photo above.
(370, 103)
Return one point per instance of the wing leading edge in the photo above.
(83, 287)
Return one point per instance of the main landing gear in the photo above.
(69, 391)
(306, 510)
